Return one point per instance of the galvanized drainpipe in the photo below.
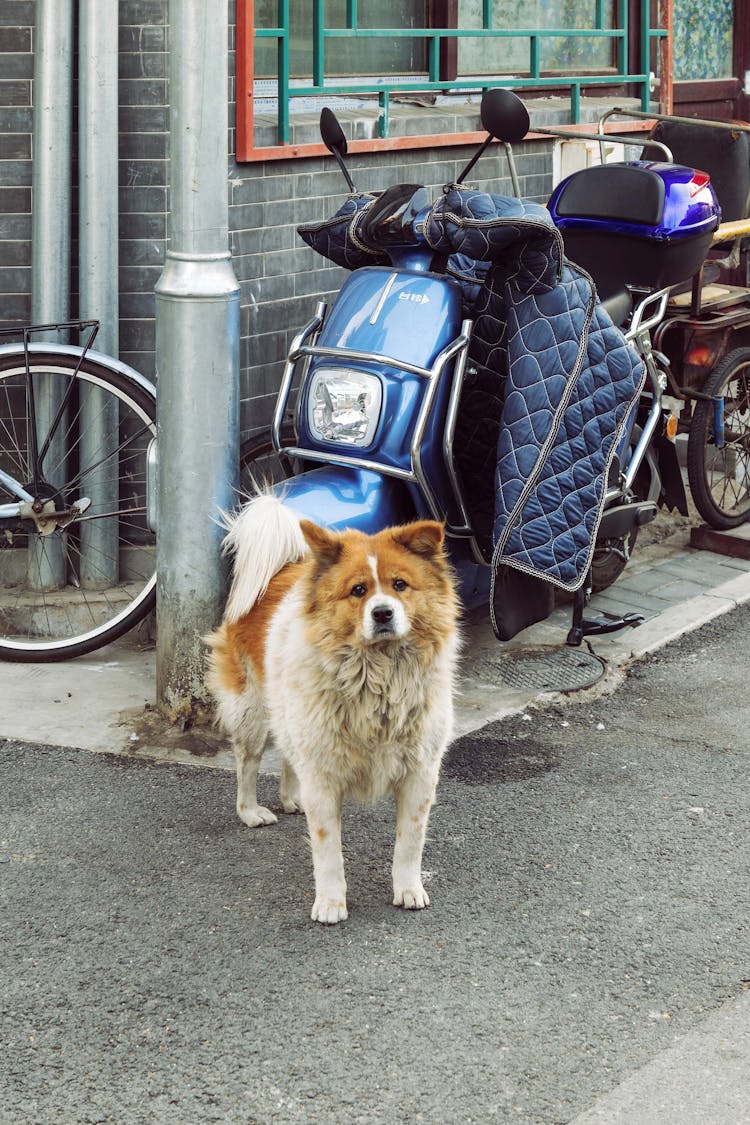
(98, 262)
(50, 216)
(197, 356)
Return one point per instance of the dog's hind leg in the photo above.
(245, 721)
(414, 798)
(248, 762)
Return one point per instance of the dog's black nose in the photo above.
(382, 614)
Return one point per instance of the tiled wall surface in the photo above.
(16, 68)
(281, 279)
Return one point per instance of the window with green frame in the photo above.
(295, 50)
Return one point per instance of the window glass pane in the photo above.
(511, 56)
(377, 56)
(702, 39)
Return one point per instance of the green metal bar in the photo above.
(645, 53)
(575, 102)
(599, 15)
(351, 14)
(467, 84)
(433, 59)
(622, 49)
(319, 44)
(534, 56)
(487, 13)
(283, 73)
(469, 33)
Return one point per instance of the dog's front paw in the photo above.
(255, 816)
(411, 898)
(329, 911)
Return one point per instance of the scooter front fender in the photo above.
(340, 496)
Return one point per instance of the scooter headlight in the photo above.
(343, 405)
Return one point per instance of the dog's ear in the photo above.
(325, 545)
(424, 538)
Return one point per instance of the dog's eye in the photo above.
(358, 591)
(399, 585)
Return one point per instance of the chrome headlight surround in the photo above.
(343, 406)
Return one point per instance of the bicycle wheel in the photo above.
(78, 560)
(261, 465)
(718, 452)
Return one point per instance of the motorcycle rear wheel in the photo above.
(720, 475)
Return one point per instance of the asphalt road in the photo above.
(588, 873)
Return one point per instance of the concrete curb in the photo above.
(683, 618)
(702, 1079)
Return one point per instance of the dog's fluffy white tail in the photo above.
(263, 537)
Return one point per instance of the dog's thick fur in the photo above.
(344, 645)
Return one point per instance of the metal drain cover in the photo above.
(550, 669)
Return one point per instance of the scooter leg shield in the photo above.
(518, 600)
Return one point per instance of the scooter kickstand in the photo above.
(596, 626)
(580, 601)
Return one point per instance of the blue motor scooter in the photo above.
(367, 420)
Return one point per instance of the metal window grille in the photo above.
(623, 73)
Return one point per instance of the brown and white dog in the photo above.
(344, 646)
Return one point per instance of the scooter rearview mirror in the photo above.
(506, 119)
(504, 115)
(333, 138)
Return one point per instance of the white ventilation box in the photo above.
(571, 156)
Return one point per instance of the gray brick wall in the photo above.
(16, 68)
(144, 172)
(281, 279)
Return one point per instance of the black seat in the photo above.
(623, 192)
(725, 155)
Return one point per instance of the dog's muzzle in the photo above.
(384, 619)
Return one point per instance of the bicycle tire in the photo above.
(73, 590)
(720, 476)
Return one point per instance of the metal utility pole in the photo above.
(51, 167)
(50, 222)
(99, 285)
(197, 356)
